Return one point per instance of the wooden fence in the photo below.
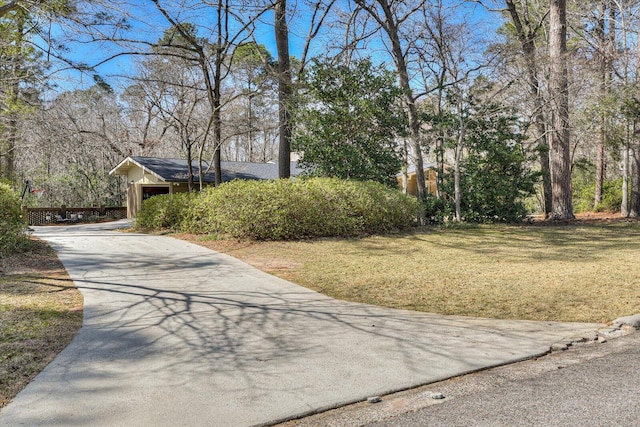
(43, 216)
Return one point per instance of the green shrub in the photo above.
(12, 226)
(611, 197)
(437, 210)
(285, 209)
(163, 211)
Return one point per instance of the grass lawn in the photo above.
(40, 312)
(588, 272)
(583, 272)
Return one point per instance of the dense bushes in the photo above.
(163, 211)
(611, 197)
(284, 209)
(12, 226)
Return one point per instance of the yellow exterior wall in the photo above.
(430, 177)
(137, 179)
(134, 200)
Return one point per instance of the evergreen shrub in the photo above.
(303, 208)
(12, 226)
(163, 211)
(611, 197)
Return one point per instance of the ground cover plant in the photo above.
(40, 312)
(583, 272)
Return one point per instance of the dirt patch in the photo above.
(40, 259)
(273, 264)
(218, 245)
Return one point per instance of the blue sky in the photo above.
(150, 24)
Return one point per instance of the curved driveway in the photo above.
(176, 334)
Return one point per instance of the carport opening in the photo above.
(153, 191)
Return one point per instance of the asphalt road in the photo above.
(592, 384)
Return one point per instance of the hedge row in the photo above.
(284, 209)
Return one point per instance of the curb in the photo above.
(620, 327)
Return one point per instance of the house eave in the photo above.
(125, 165)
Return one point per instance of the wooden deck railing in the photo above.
(43, 216)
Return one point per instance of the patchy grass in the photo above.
(40, 312)
(582, 272)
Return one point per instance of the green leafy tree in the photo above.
(349, 124)
(18, 62)
(23, 68)
(494, 177)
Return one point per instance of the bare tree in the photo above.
(71, 143)
(172, 87)
(392, 17)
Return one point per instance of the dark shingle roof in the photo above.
(175, 170)
(247, 170)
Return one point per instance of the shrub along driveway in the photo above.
(176, 334)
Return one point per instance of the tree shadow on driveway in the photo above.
(177, 334)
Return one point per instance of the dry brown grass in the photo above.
(587, 272)
(40, 312)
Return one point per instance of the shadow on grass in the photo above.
(579, 243)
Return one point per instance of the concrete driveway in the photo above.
(176, 334)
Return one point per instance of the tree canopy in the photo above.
(369, 78)
(349, 122)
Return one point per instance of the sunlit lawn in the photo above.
(583, 272)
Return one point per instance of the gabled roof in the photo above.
(175, 170)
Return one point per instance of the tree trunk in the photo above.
(602, 41)
(439, 143)
(14, 99)
(213, 83)
(634, 199)
(250, 129)
(634, 209)
(624, 206)
(217, 138)
(458, 174)
(285, 89)
(527, 36)
(545, 168)
(404, 82)
(599, 166)
(189, 148)
(560, 149)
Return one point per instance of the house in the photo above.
(430, 178)
(151, 176)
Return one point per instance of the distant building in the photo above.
(430, 178)
(151, 176)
